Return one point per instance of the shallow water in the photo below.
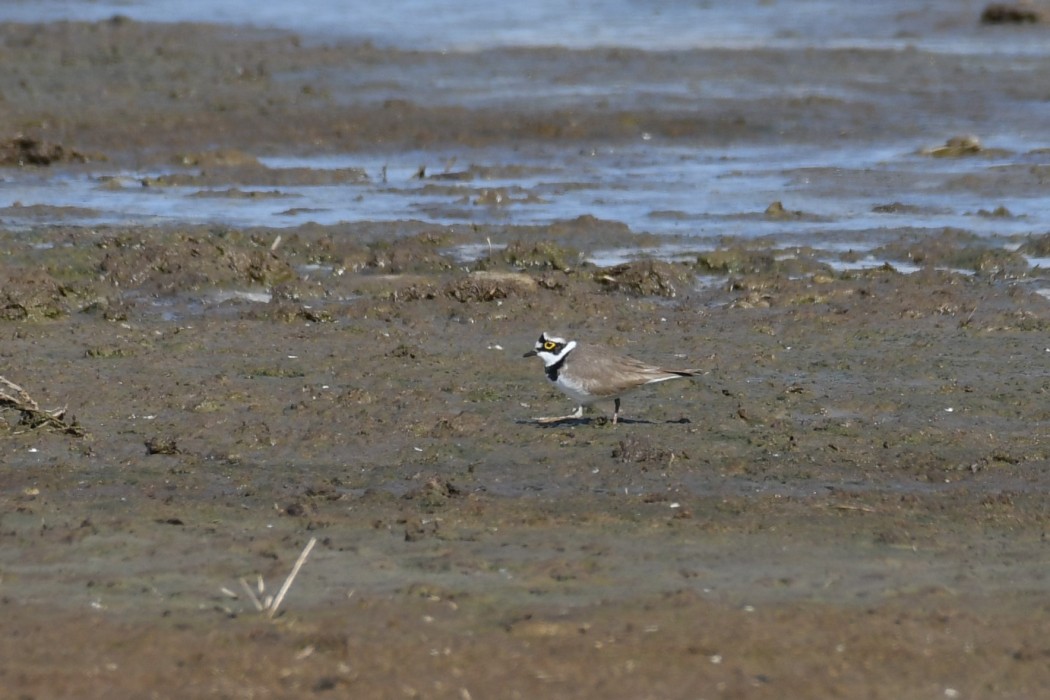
(698, 194)
(940, 25)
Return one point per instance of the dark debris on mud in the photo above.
(24, 150)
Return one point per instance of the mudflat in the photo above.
(851, 501)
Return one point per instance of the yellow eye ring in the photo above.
(549, 345)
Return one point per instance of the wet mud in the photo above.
(850, 501)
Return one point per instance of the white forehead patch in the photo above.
(548, 339)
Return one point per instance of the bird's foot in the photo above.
(576, 415)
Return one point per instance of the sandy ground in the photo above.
(849, 502)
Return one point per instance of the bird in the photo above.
(588, 373)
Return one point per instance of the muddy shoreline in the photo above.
(141, 93)
(850, 502)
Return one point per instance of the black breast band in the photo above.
(552, 370)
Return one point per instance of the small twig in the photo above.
(969, 318)
(268, 603)
(291, 577)
(32, 415)
(251, 594)
(23, 400)
(849, 506)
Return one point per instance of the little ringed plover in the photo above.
(588, 373)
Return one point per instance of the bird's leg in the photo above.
(576, 415)
(616, 410)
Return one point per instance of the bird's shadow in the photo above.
(599, 421)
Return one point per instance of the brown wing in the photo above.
(606, 373)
